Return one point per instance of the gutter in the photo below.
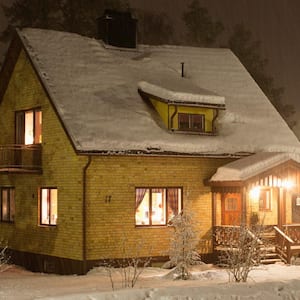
(84, 213)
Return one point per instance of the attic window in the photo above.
(191, 122)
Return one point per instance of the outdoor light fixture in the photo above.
(254, 192)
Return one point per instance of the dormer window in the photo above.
(190, 110)
(191, 122)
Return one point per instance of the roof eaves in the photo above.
(44, 85)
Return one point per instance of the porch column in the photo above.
(281, 213)
(244, 206)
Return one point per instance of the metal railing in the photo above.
(20, 157)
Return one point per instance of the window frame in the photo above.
(191, 122)
(20, 126)
(49, 200)
(265, 203)
(11, 203)
(150, 206)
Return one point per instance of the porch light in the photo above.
(254, 192)
(287, 184)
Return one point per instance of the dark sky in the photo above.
(276, 23)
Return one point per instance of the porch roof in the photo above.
(245, 168)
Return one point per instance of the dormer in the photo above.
(184, 112)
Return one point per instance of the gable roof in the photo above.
(94, 89)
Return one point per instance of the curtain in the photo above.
(139, 196)
(173, 200)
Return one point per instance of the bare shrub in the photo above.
(130, 266)
(242, 253)
(183, 252)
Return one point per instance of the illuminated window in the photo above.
(191, 122)
(7, 204)
(29, 127)
(265, 199)
(157, 206)
(48, 206)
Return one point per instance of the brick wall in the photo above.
(110, 222)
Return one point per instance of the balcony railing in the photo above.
(20, 158)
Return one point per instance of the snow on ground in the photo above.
(276, 281)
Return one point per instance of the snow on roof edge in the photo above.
(181, 97)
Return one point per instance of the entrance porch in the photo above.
(260, 191)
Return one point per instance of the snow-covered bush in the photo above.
(4, 258)
(183, 252)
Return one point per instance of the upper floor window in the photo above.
(157, 206)
(48, 206)
(191, 122)
(29, 127)
(7, 204)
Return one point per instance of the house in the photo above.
(99, 142)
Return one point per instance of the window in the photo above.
(157, 206)
(231, 204)
(7, 204)
(265, 199)
(29, 127)
(191, 122)
(48, 206)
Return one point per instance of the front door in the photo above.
(231, 209)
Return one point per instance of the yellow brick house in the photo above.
(99, 142)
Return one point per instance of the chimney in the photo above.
(117, 29)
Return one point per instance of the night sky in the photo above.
(275, 23)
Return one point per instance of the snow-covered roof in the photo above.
(202, 97)
(95, 91)
(247, 167)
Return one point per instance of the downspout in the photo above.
(213, 121)
(172, 117)
(84, 180)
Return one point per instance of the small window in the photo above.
(191, 122)
(231, 204)
(29, 127)
(7, 204)
(265, 199)
(157, 206)
(48, 206)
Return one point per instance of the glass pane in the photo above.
(197, 122)
(5, 210)
(142, 207)
(53, 208)
(44, 207)
(38, 127)
(183, 121)
(158, 206)
(231, 204)
(29, 138)
(12, 204)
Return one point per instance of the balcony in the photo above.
(21, 158)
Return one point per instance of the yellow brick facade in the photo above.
(62, 168)
(117, 177)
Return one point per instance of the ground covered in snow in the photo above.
(265, 282)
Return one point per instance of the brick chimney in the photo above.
(117, 29)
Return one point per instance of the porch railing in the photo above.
(20, 158)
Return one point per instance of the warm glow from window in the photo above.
(29, 137)
(157, 206)
(48, 206)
